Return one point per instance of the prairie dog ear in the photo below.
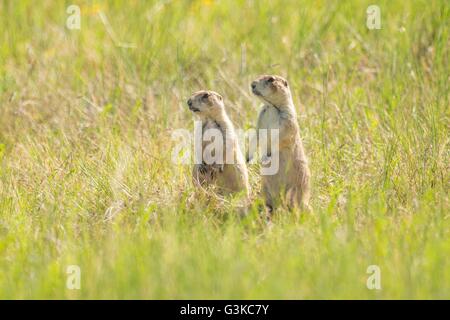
(285, 83)
(205, 96)
(219, 97)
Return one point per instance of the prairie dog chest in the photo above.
(211, 130)
(269, 118)
(209, 124)
(214, 143)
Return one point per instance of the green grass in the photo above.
(86, 176)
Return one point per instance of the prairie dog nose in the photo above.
(253, 84)
(189, 102)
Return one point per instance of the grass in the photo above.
(86, 176)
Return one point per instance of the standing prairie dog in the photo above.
(230, 175)
(290, 184)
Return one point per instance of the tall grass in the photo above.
(86, 176)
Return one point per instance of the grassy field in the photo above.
(86, 176)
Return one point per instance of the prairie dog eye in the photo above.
(271, 79)
(205, 96)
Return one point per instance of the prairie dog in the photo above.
(291, 183)
(229, 176)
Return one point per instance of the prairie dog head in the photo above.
(206, 104)
(273, 89)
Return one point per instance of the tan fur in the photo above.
(291, 184)
(227, 177)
